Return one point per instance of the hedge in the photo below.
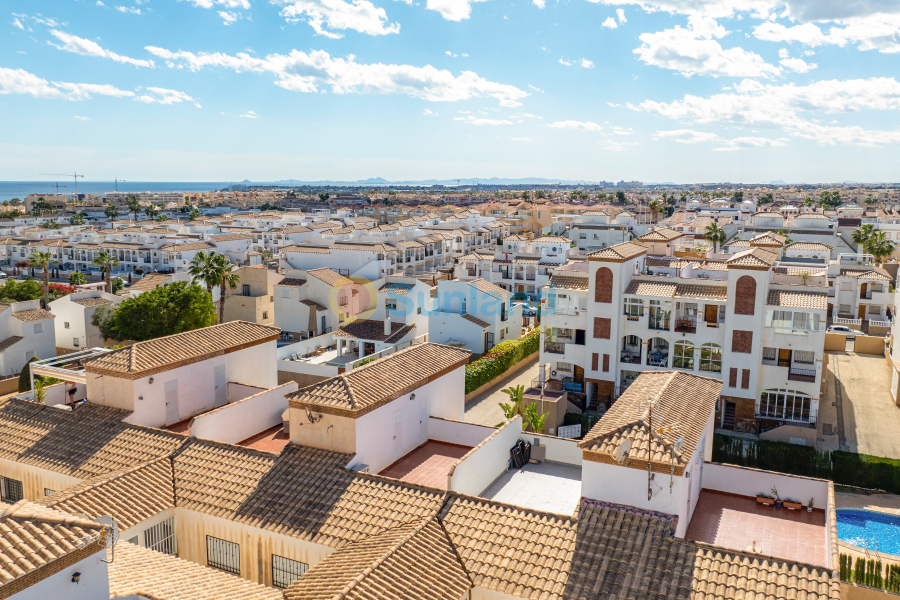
(500, 358)
(844, 468)
(869, 573)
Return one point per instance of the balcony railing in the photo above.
(807, 375)
(686, 325)
(631, 355)
(659, 323)
(554, 347)
(529, 277)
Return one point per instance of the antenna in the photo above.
(312, 419)
(113, 535)
(73, 175)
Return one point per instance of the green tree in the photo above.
(77, 219)
(786, 235)
(77, 279)
(203, 269)
(25, 377)
(620, 197)
(879, 246)
(111, 211)
(44, 260)
(106, 262)
(808, 202)
(227, 277)
(134, 207)
(20, 291)
(169, 309)
(151, 211)
(324, 196)
(534, 419)
(51, 224)
(738, 196)
(655, 206)
(766, 199)
(514, 408)
(194, 215)
(862, 234)
(161, 218)
(714, 234)
(117, 284)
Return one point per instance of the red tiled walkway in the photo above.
(736, 522)
(428, 464)
(271, 440)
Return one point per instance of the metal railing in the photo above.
(842, 321)
(807, 375)
(555, 347)
(422, 339)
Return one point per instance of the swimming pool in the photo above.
(866, 527)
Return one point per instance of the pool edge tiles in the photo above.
(870, 530)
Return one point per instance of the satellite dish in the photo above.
(679, 443)
(112, 537)
(622, 450)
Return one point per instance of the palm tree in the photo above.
(655, 206)
(161, 218)
(203, 267)
(861, 235)
(227, 277)
(111, 211)
(77, 219)
(715, 234)
(51, 224)
(106, 262)
(151, 211)
(879, 246)
(43, 260)
(133, 205)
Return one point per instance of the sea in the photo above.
(20, 189)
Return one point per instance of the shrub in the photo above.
(367, 360)
(500, 358)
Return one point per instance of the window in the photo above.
(224, 555)
(390, 304)
(563, 366)
(134, 541)
(265, 314)
(75, 342)
(844, 308)
(286, 571)
(161, 537)
(684, 355)
(792, 323)
(634, 308)
(39, 328)
(419, 311)
(786, 405)
(285, 292)
(49, 492)
(770, 354)
(806, 357)
(874, 310)
(66, 324)
(10, 490)
(245, 290)
(711, 358)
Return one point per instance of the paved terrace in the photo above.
(739, 523)
(548, 486)
(428, 464)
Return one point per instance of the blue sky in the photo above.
(656, 90)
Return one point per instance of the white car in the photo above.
(843, 330)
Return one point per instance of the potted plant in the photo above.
(809, 508)
(766, 499)
(778, 502)
(792, 504)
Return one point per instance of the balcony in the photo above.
(686, 325)
(659, 323)
(807, 375)
(631, 355)
(555, 347)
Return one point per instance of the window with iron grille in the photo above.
(161, 537)
(224, 555)
(49, 492)
(286, 571)
(10, 490)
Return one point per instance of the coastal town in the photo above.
(436, 392)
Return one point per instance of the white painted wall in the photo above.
(93, 584)
(750, 482)
(139, 529)
(458, 432)
(444, 327)
(478, 470)
(245, 418)
(559, 450)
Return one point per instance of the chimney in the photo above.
(387, 323)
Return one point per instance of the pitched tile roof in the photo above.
(874, 274)
(92, 301)
(35, 314)
(680, 400)
(798, 299)
(475, 320)
(675, 289)
(303, 492)
(307, 249)
(34, 538)
(808, 246)
(147, 358)
(565, 281)
(372, 330)
(366, 388)
(10, 342)
(231, 237)
(490, 289)
(291, 282)
(619, 252)
(396, 287)
(509, 549)
(332, 278)
(149, 282)
(414, 561)
(755, 258)
(130, 496)
(661, 235)
(88, 441)
(187, 246)
(143, 573)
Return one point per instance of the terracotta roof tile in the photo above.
(149, 282)
(365, 388)
(332, 278)
(808, 246)
(755, 258)
(619, 252)
(10, 342)
(35, 314)
(92, 301)
(475, 320)
(490, 289)
(372, 330)
(569, 282)
(290, 282)
(187, 246)
(661, 235)
(798, 299)
(162, 354)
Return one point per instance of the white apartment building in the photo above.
(474, 315)
(749, 321)
(74, 330)
(26, 331)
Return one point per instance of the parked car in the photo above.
(843, 330)
(3, 275)
(527, 309)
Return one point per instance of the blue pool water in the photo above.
(862, 527)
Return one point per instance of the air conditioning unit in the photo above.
(361, 468)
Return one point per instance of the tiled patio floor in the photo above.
(737, 522)
(428, 464)
(271, 440)
(551, 487)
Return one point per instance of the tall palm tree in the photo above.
(879, 246)
(655, 206)
(151, 211)
(77, 219)
(203, 268)
(134, 206)
(51, 224)
(111, 211)
(227, 277)
(43, 260)
(106, 262)
(715, 234)
(861, 235)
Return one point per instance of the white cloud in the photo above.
(695, 51)
(247, 115)
(429, 113)
(326, 16)
(228, 17)
(878, 32)
(686, 136)
(159, 95)
(579, 125)
(797, 65)
(525, 116)
(610, 23)
(17, 23)
(19, 81)
(587, 64)
(622, 130)
(565, 62)
(521, 139)
(792, 108)
(707, 8)
(689, 136)
(616, 145)
(583, 63)
(306, 72)
(480, 121)
(99, 3)
(78, 45)
(452, 10)
(129, 9)
(535, 89)
(740, 143)
(539, 3)
(82, 118)
(621, 15)
(245, 4)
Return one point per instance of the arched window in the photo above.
(784, 405)
(603, 282)
(684, 355)
(711, 358)
(658, 353)
(745, 296)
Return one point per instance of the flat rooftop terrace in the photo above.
(428, 464)
(547, 486)
(739, 523)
